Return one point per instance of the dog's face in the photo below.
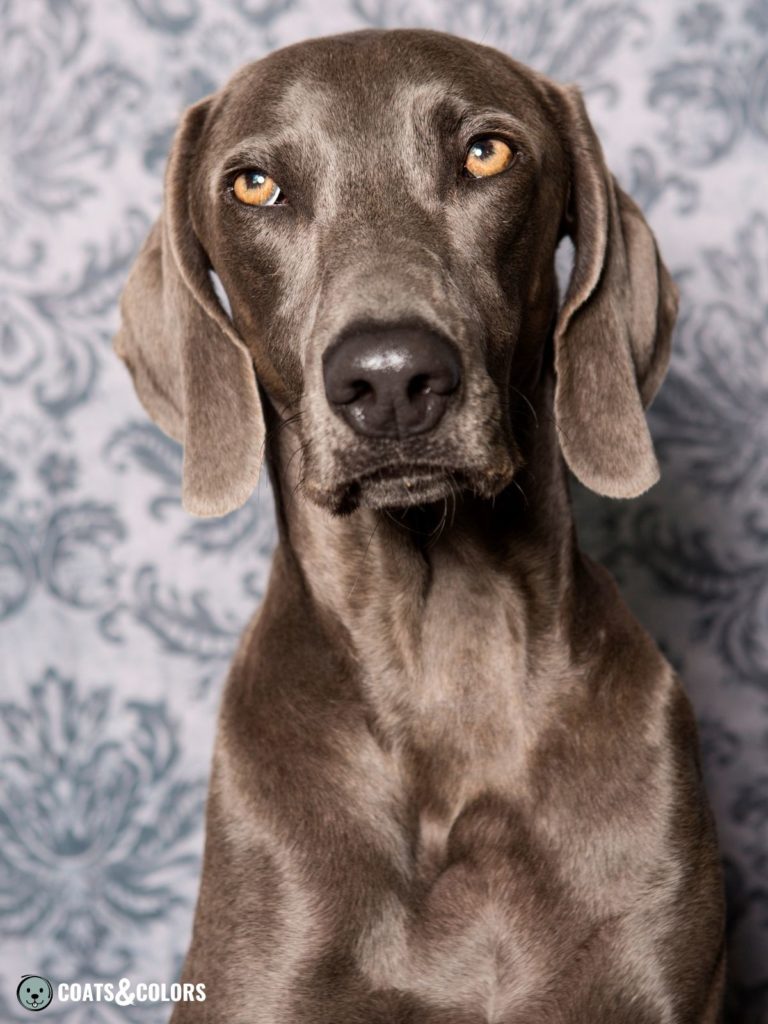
(394, 256)
(383, 210)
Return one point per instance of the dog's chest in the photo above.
(494, 872)
(512, 884)
(456, 704)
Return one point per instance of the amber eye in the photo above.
(257, 189)
(487, 157)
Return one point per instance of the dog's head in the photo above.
(383, 210)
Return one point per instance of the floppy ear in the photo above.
(192, 372)
(613, 335)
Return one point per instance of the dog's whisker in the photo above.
(437, 531)
(288, 422)
(519, 487)
(364, 555)
(527, 402)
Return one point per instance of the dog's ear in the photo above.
(192, 372)
(612, 338)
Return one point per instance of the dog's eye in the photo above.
(255, 188)
(487, 157)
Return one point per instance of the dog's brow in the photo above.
(259, 150)
(495, 120)
(253, 152)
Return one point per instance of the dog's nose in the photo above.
(391, 383)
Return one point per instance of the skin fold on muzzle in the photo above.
(454, 780)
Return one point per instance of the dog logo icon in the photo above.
(34, 992)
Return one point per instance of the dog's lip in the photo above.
(401, 485)
(415, 482)
(413, 476)
(407, 472)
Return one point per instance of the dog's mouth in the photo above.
(404, 485)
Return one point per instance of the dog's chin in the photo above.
(403, 487)
(420, 486)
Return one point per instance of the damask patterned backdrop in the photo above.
(118, 613)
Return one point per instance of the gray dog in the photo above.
(454, 780)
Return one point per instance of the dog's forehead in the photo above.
(355, 83)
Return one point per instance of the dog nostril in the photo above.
(360, 389)
(419, 385)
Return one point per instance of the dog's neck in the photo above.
(456, 620)
(383, 574)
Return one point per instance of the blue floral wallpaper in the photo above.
(118, 613)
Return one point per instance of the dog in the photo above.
(454, 780)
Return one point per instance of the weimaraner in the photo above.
(454, 780)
